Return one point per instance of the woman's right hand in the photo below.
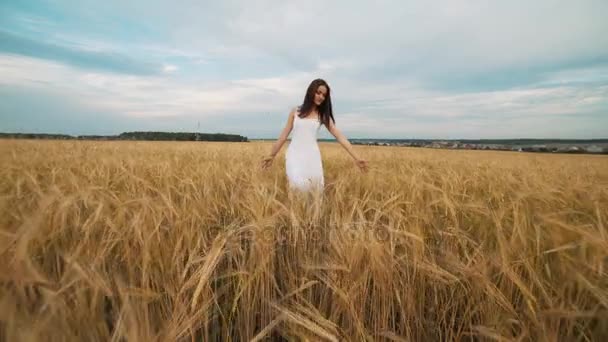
(266, 162)
(362, 164)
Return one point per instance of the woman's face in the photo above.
(320, 95)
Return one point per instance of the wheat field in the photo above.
(181, 241)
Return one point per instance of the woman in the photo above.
(303, 158)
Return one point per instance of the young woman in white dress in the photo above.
(303, 158)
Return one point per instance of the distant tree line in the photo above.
(154, 136)
(181, 136)
(36, 136)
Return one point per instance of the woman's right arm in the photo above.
(284, 134)
(276, 147)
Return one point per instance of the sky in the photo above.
(436, 69)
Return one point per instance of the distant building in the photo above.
(594, 149)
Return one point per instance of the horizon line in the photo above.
(275, 138)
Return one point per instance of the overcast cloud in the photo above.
(398, 69)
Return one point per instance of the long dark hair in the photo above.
(325, 110)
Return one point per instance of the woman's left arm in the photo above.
(346, 144)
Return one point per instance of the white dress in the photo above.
(303, 157)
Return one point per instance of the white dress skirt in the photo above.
(303, 158)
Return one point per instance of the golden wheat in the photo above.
(165, 241)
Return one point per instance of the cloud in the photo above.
(147, 95)
(397, 110)
(38, 110)
(98, 60)
(168, 68)
(444, 67)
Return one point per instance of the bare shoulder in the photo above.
(291, 118)
(294, 111)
